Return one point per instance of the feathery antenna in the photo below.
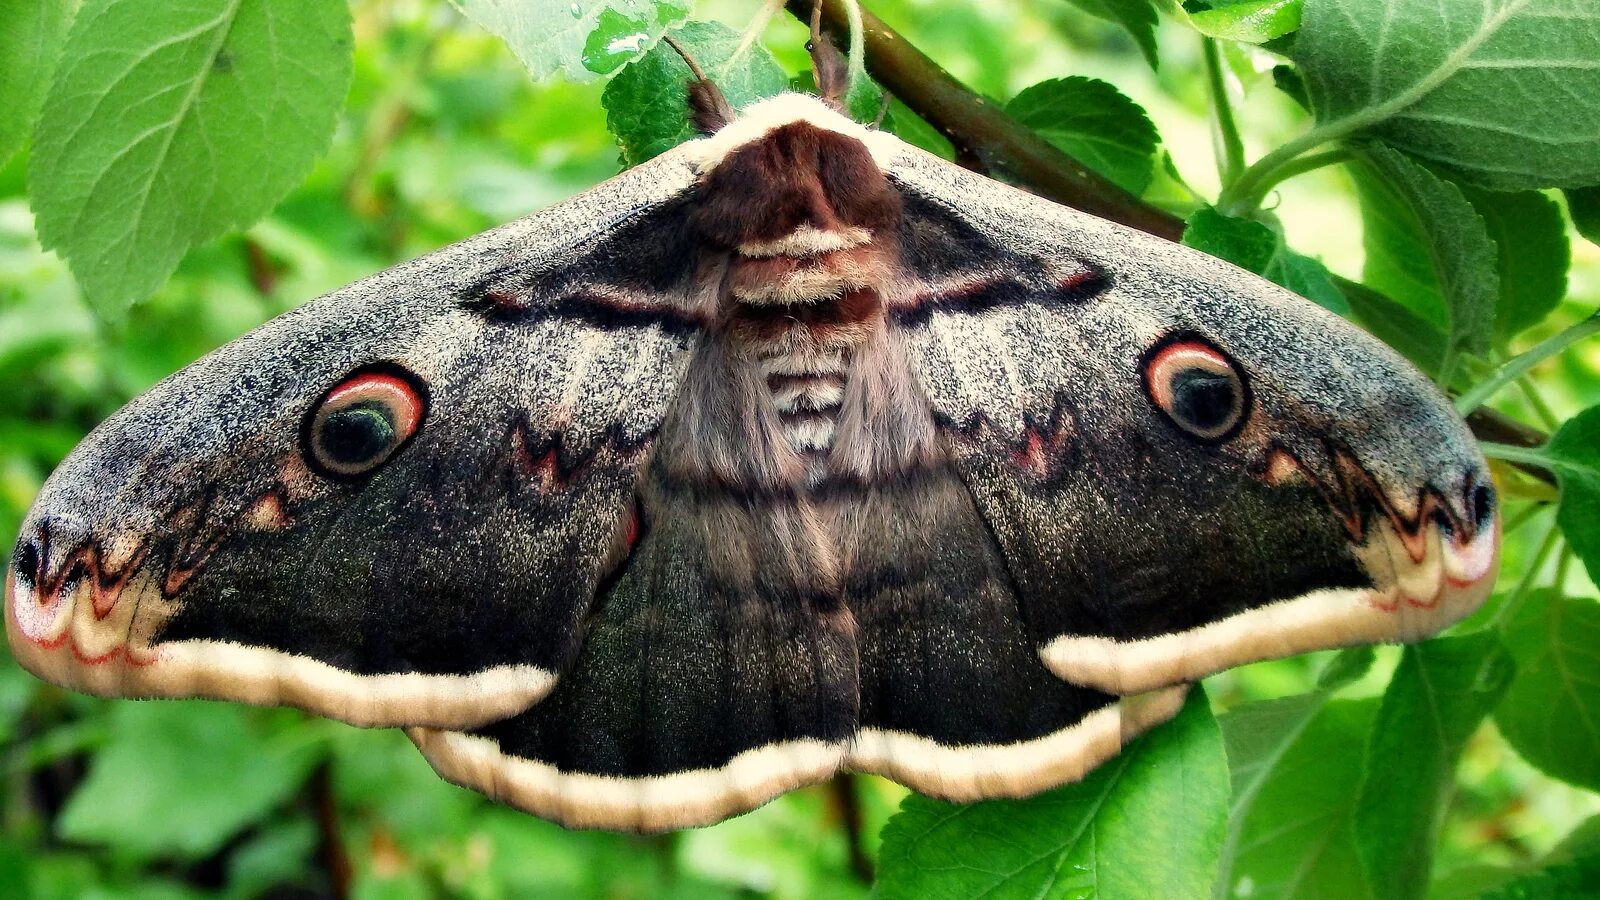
(708, 106)
(829, 68)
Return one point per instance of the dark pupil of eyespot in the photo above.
(1203, 399)
(357, 433)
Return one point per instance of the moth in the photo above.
(794, 450)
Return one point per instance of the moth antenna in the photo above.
(709, 108)
(829, 68)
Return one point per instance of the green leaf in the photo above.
(906, 125)
(1574, 453)
(1572, 869)
(1138, 17)
(1251, 245)
(1417, 339)
(181, 778)
(1094, 123)
(1578, 877)
(1532, 255)
(1289, 81)
(1583, 205)
(1147, 823)
(647, 107)
(581, 39)
(30, 44)
(1296, 771)
(1348, 665)
(1505, 91)
(1253, 21)
(1428, 248)
(1440, 692)
(1551, 712)
(273, 856)
(169, 124)
(863, 97)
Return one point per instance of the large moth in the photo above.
(791, 451)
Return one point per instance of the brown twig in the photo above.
(335, 858)
(848, 801)
(984, 134)
(389, 116)
(263, 271)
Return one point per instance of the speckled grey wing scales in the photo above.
(392, 506)
(1334, 500)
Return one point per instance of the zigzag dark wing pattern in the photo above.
(216, 539)
(1344, 506)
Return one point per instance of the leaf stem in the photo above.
(330, 834)
(1245, 194)
(1530, 456)
(1229, 146)
(856, 56)
(1447, 366)
(1541, 407)
(1529, 575)
(847, 798)
(752, 33)
(1265, 181)
(1308, 163)
(1518, 366)
(1522, 517)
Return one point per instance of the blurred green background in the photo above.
(443, 135)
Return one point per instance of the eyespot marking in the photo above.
(363, 421)
(1197, 386)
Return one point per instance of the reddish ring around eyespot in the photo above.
(363, 421)
(381, 387)
(1197, 387)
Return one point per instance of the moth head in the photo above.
(709, 108)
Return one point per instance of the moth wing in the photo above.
(713, 677)
(202, 542)
(1348, 503)
(954, 701)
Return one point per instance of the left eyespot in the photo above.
(1197, 387)
(363, 421)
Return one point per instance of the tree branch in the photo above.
(843, 787)
(980, 130)
(335, 858)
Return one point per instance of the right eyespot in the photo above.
(363, 421)
(1197, 387)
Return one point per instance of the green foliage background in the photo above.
(197, 167)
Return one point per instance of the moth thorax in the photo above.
(803, 213)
